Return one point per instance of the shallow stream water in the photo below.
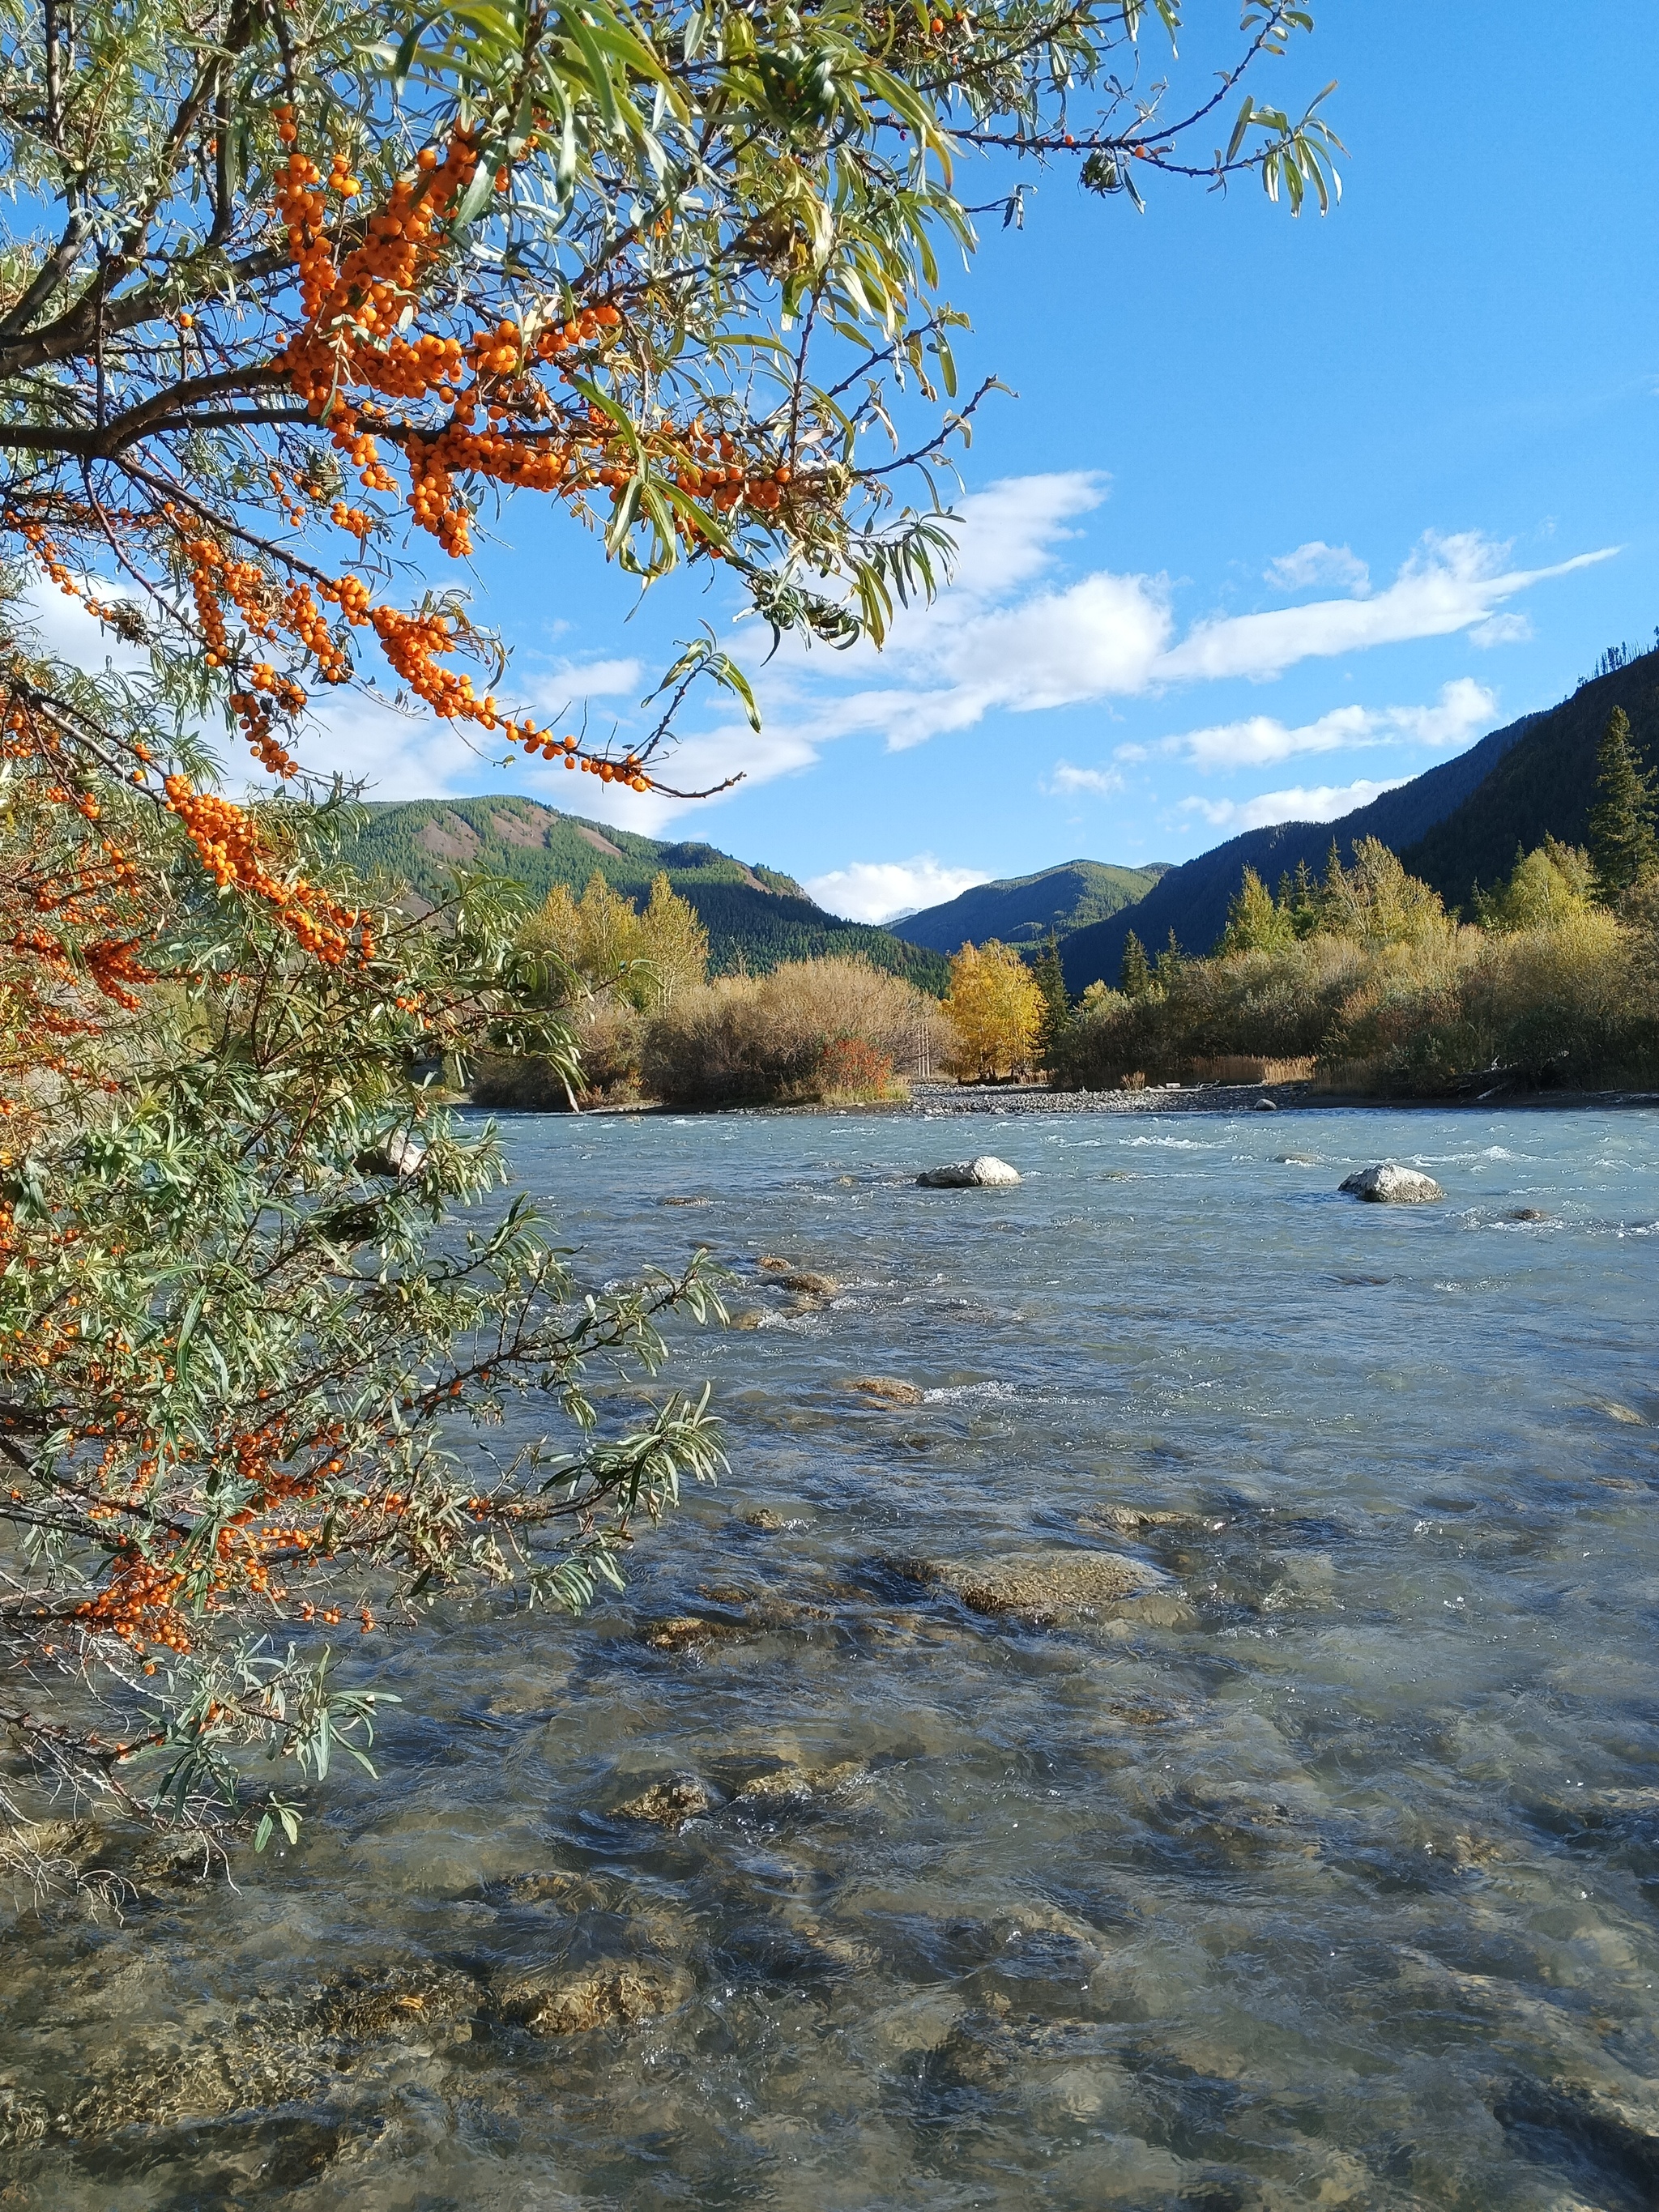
(1312, 1862)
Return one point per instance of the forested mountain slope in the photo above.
(1545, 785)
(1022, 909)
(1192, 899)
(757, 918)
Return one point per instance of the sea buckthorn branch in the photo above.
(539, 258)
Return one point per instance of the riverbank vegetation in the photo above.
(1363, 981)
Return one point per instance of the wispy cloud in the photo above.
(1063, 780)
(1462, 707)
(1501, 629)
(880, 890)
(1325, 802)
(1448, 584)
(1316, 562)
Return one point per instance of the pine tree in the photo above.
(1134, 976)
(1055, 1025)
(1623, 846)
(1170, 964)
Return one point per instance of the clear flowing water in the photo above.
(1313, 1862)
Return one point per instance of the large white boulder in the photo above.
(968, 1174)
(1389, 1185)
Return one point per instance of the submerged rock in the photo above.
(1388, 1184)
(668, 1804)
(1266, 1106)
(765, 1520)
(612, 1996)
(686, 1631)
(770, 1264)
(986, 1171)
(791, 1783)
(816, 1287)
(1528, 1214)
(1296, 1159)
(888, 1387)
(1041, 1589)
(751, 1317)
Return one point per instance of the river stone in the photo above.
(970, 1175)
(1266, 1106)
(751, 1317)
(400, 1155)
(887, 1386)
(1387, 1184)
(770, 1264)
(1041, 1589)
(816, 1287)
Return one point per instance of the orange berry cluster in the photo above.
(228, 843)
(139, 1603)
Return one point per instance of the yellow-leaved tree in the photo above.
(995, 1008)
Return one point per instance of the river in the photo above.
(1299, 1848)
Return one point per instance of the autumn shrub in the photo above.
(789, 1036)
(1263, 1006)
(1575, 1004)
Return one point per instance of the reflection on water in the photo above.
(1193, 1745)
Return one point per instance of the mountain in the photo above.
(1192, 899)
(1022, 909)
(1544, 785)
(756, 917)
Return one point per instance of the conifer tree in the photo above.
(1053, 1024)
(1134, 976)
(1168, 967)
(1623, 847)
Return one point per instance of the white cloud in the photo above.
(880, 890)
(1448, 584)
(585, 679)
(1006, 534)
(61, 628)
(1316, 562)
(1501, 629)
(1462, 708)
(1064, 779)
(984, 646)
(1324, 803)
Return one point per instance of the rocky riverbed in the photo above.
(1162, 1713)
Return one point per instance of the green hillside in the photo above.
(1544, 785)
(756, 917)
(1023, 909)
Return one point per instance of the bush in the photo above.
(812, 1030)
(1575, 1002)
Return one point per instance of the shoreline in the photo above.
(949, 1101)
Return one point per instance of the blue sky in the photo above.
(1285, 511)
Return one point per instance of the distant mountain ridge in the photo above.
(1192, 899)
(1023, 909)
(757, 917)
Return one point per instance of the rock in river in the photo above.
(968, 1174)
(1041, 1589)
(1389, 1185)
(888, 1387)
